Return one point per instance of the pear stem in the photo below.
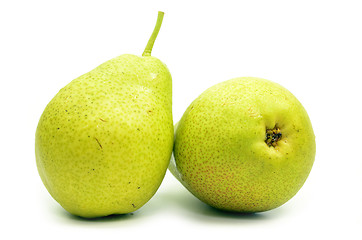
(151, 41)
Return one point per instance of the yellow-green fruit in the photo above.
(244, 145)
(104, 141)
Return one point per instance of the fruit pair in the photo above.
(104, 142)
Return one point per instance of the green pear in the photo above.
(244, 145)
(103, 143)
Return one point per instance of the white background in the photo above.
(313, 48)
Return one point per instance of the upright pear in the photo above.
(103, 143)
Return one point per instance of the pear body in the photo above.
(244, 145)
(103, 143)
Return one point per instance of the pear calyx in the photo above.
(272, 136)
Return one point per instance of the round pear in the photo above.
(244, 145)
